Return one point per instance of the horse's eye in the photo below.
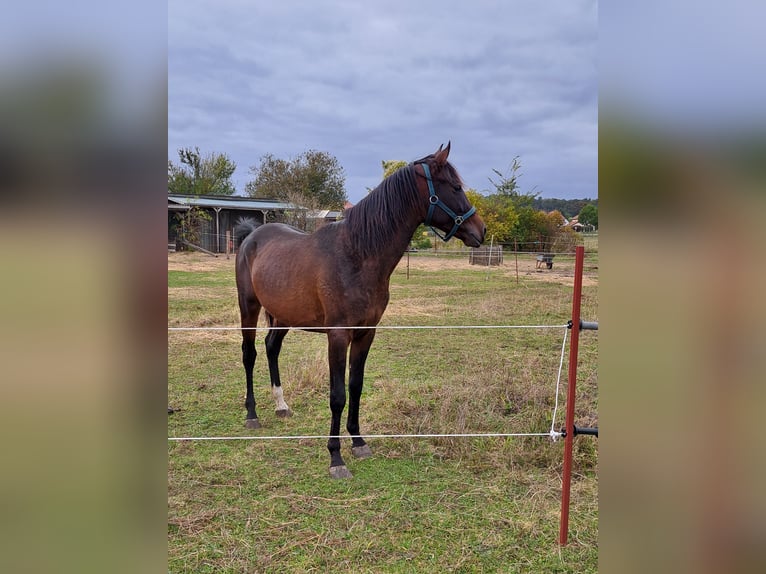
(458, 188)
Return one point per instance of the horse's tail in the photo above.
(244, 227)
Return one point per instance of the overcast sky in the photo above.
(368, 81)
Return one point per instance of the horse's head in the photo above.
(447, 207)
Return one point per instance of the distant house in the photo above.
(323, 217)
(580, 227)
(224, 212)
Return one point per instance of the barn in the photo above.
(224, 212)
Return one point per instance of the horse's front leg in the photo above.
(338, 341)
(360, 347)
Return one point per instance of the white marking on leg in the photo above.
(281, 404)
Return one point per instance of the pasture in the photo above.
(418, 505)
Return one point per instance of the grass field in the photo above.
(418, 505)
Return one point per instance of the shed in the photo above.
(224, 212)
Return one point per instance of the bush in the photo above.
(566, 240)
(420, 239)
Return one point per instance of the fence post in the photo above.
(489, 257)
(569, 422)
(408, 263)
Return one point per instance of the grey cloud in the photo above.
(368, 83)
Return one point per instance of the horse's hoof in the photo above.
(284, 413)
(363, 451)
(252, 424)
(340, 472)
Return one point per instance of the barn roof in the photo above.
(325, 214)
(183, 202)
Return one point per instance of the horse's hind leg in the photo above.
(273, 347)
(249, 310)
(360, 347)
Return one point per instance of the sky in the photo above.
(685, 64)
(373, 81)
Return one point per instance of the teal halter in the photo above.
(434, 201)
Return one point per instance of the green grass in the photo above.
(418, 505)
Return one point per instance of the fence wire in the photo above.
(552, 433)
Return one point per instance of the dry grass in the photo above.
(431, 505)
(525, 263)
(194, 261)
(562, 272)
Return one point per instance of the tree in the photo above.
(560, 239)
(522, 223)
(189, 225)
(198, 175)
(274, 178)
(498, 214)
(391, 166)
(531, 231)
(513, 218)
(568, 207)
(314, 179)
(589, 215)
(508, 187)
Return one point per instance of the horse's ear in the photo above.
(441, 154)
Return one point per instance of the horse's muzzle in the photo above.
(474, 232)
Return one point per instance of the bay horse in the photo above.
(339, 276)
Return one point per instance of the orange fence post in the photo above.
(569, 422)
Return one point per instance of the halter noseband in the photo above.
(434, 201)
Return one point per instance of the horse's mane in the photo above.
(373, 220)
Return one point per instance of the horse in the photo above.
(338, 277)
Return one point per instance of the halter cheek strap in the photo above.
(434, 201)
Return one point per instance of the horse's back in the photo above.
(283, 267)
(268, 238)
(278, 230)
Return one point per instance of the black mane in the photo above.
(373, 220)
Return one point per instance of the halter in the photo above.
(434, 201)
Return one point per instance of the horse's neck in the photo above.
(379, 231)
(393, 252)
(387, 256)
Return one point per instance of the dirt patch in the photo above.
(562, 272)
